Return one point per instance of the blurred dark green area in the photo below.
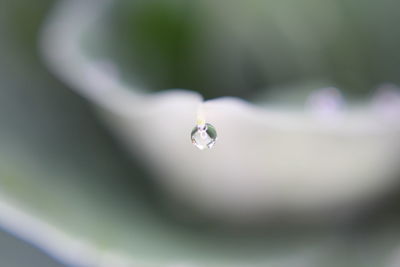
(19, 103)
(241, 48)
(50, 140)
(16, 253)
(48, 133)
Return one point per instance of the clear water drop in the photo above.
(204, 136)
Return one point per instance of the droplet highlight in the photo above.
(204, 136)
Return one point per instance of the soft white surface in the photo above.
(264, 160)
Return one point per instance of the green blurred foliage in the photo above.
(15, 253)
(243, 47)
(57, 161)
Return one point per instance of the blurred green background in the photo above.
(16, 253)
(47, 132)
(244, 48)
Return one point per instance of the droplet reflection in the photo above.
(204, 136)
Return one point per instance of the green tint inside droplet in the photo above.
(204, 136)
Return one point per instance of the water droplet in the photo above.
(204, 136)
